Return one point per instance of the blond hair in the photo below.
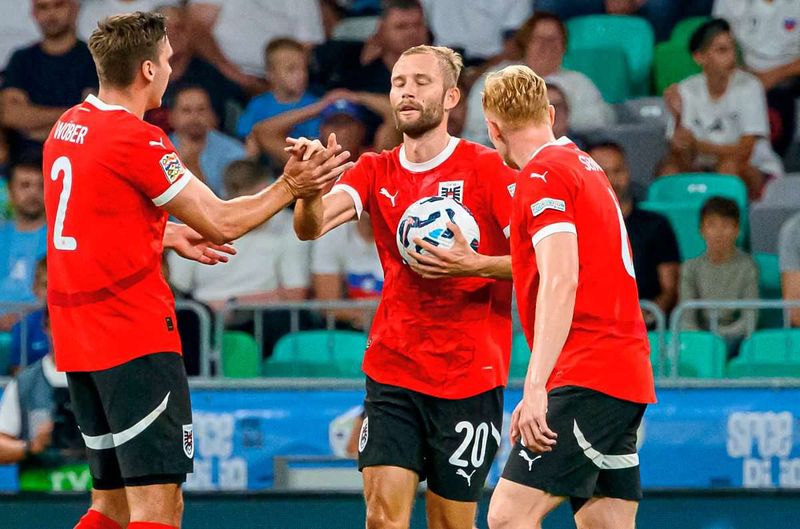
(450, 61)
(516, 96)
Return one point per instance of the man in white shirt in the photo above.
(542, 43)
(719, 117)
(768, 31)
(93, 11)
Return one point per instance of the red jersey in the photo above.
(449, 338)
(106, 175)
(562, 189)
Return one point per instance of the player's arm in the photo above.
(460, 260)
(557, 261)
(317, 215)
(189, 244)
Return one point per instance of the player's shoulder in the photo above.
(471, 149)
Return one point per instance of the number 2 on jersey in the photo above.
(60, 241)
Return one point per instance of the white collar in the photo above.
(57, 379)
(100, 105)
(563, 140)
(433, 163)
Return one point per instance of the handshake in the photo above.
(313, 168)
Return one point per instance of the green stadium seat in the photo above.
(672, 64)
(240, 355)
(768, 353)
(769, 287)
(334, 354)
(683, 30)
(5, 353)
(632, 35)
(606, 67)
(685, 222)
(520, 356)
(655, 354)
(701, 354)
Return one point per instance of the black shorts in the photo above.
(136, 421)
(595, 454)
(451, 443)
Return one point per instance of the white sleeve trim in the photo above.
(547, 231)
(173, 190)
(353, 194)
(507, 231)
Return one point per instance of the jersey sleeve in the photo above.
(154, 167)
(357, 182)
(549, 202)
(501, 192)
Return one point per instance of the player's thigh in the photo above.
(463, 437)
(517, 506)
(449, 514)
(87, 406)
(162, 503)
(607, 513)
(147, 404)
(389, 494)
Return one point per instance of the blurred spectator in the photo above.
(37, 342)
(93, 11)
(43, 80)
(662, 14)
(480, 29)
(227, 98)
(287, 69)
(656, 258)
(23, 241)
(345, 265)
(789, 257)
(17, 28)
(341, 112)
(235, 32)
(205, 151)
(767, 33)
(723, 272)
(719, 117)
(541, 43)
(37, 425)
(561, 125)
(367, 66)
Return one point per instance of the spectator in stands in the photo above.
(561, 127)
(723, 272)
(345, 265)
(341, 112)
(23, 240)
(719, 117)
(232, 34)
(662, 14)
(93, 11)
(767, 32)
(43, 80)
(287, 69)
(227, 98)
(789, 258)
(36, 343)
(367, 66)
(481, 31)
(541, 43)
(205, 151)
(17, 28)
(656, 258)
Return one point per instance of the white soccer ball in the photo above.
(427, 219)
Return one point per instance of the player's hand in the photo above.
(513, 432)
(312, 167)
(458, 261)
(532, 424)
(191, 245)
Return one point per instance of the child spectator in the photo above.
(723, 272)
(37, 342)
(287, 70)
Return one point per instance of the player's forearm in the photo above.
(241, 215)
(493, 266)
(309, 218)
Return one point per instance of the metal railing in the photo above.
(204, 319)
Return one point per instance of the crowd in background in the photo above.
(248, 73)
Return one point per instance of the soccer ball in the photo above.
(427, 219)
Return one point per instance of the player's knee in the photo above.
(500, 518)
(379, 518)
(602, 521)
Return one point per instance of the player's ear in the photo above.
(551, 113)
(451, 98)
(148, 70)
(495, 134)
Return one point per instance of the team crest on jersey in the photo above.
(364, 435)
(547, 203)
(511, 189)
(172, 167)
(188, 440)
(454, 190)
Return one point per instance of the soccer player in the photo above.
(589, 378)
(110, 180)
(439, 346)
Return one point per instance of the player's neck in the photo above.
(524, 142)
(427, 146)
(135, 103)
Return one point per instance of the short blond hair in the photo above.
(450, 61)
(516, 96)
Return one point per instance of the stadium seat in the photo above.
(701, 354)
(606, 67)
(672, 63)
(783, 191)
(334, 354)
(520, 356)
(768, 353)
(769, 287)
(765, 224)
(5, 353)
(683, 30)
(240, 355)
(5, 207)
(644, 110)
(655, 354)
(685, 222)
(632, 35)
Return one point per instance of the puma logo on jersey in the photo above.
(524, 455)
(542, 177)
(468, 477)
(159, 143)
(385, 193)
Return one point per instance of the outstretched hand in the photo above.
(191, 245)
(313, 167)
(457, 261)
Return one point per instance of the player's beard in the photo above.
(430, 117)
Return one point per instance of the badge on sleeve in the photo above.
(172, 167)
(547, 203)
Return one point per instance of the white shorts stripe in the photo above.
(603, 461)
(113, 440)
